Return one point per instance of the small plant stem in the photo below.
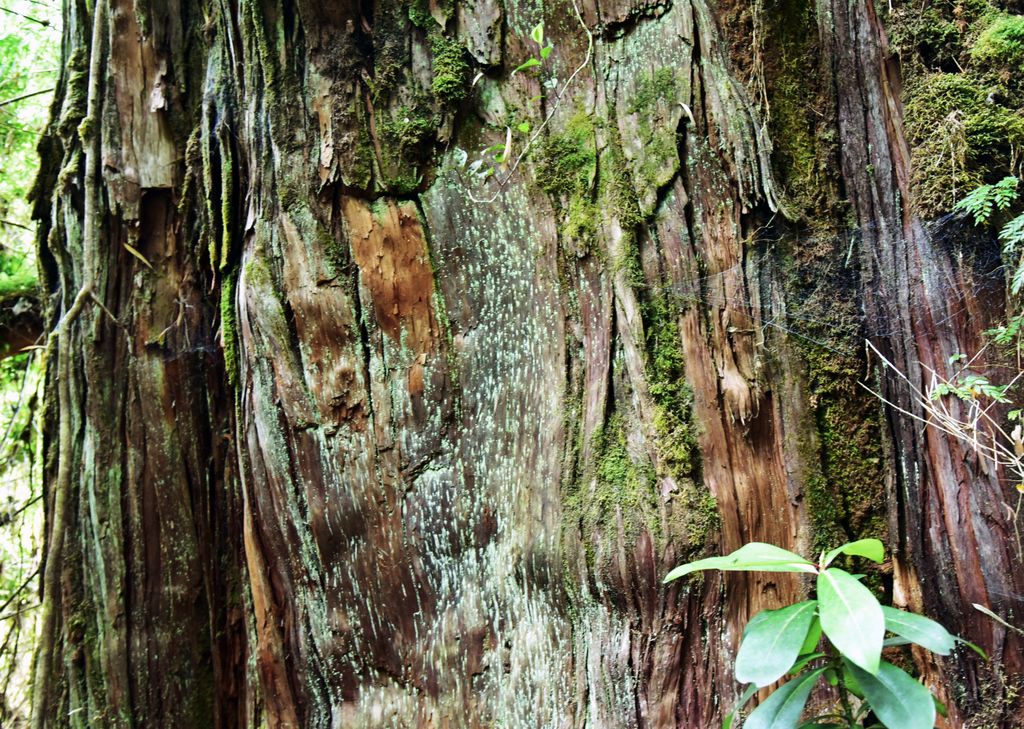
(844, 694)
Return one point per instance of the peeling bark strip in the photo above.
(357, 451)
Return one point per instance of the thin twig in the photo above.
(998, 446)
(19, 611)
(29, 95)
(21, 400)
(20, 589)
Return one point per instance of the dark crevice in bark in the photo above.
(640, 12)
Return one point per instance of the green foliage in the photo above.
(501, 154)
(970, 387)
(963, 94)
(1001, 43)
(419, 13)
(450, 68)
(772, 642)
(986, 198)
(786, 642)
(28, 64)
(982, 204)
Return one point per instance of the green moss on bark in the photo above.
(567, 171)
(962, 98)
(229, 326)
(407, 136)
(450, 68)
(658, 158)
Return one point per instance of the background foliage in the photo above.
(29, 53)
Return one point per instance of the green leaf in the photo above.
(524, 127)
(870, 548)
(813, 636)
(919, 629)
(528, 63)
(851, 618)
(973, 647)
(752, 557)
(783, 708)
(898, 700)
(1012, 234)
(546, 51)
(803, 661)
(538, 33)
(772, 642)
(744, 698)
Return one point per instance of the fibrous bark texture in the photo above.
(356, 442)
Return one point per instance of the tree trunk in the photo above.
(334, 443)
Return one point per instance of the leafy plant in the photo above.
(502, 156)
(788, 642)
(499, 156)
(983, 200)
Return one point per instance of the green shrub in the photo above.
(776, 643)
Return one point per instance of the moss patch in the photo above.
(407, 136)
(450, 69)
(618, 485)
(800, 113)
(566, 171)
(658, 161)
(229, 326)
(963, 96)
(960, 137)
(1001, 44)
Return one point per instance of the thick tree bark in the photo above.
(349, 448)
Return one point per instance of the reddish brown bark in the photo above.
(358, 450)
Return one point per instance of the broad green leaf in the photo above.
(813, 636)
(728, 719)
(772, 642)
(851, 617)
(869, 548)
(528, 63)
(752, 557)
(538, 33)
(783, 708)
(898, 700)
(524, 127)
(546, 51)
(919, 629)
(803, 661)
